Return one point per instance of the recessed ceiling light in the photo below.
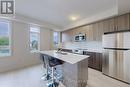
(74, 18)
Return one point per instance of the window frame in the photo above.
(34, 26)
(10, 36)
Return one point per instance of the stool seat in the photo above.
(54, 62)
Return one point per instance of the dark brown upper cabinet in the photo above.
(109, 25)
(95, 31)
(98, 31)
(119, 23)
(122, 22)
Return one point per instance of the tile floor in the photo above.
(30, 77)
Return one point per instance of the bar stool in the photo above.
(45, 60)
(53, 62)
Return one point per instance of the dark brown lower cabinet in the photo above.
(95, 60)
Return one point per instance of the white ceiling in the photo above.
(57, 12)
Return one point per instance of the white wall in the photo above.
(21, 56)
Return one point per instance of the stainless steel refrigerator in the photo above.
(116, 56)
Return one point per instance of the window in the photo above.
(34, 38)
(5, 38)
(55, 39)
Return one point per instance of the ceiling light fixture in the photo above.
(74, 18)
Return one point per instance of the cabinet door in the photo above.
(98, 61)
(122, 22)
(90, 59)
(89, 32)
(95, 31)
(66, 36)
(73, 32)
(109, 25)
(95, 60)
(100, 30)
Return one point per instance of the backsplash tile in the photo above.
(93, 46)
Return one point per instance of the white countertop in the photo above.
(70, 57)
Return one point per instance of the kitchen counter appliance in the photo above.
(80, 37)
(116, 56)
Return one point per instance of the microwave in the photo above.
(80, 37)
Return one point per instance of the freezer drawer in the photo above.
(116, 63)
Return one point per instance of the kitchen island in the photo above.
(75, 68)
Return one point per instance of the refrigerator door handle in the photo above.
(125, 49)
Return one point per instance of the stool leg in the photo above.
(53, 83)
(44, 76)
(53, 74)
(47, 75)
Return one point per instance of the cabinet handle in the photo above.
(116, 28)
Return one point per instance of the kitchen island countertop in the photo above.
(68, 57)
